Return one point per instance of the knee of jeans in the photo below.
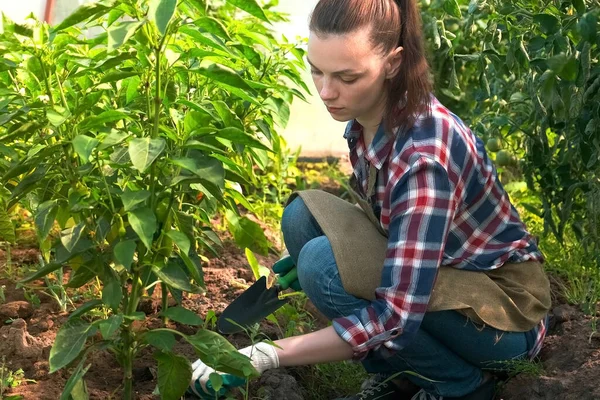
(315, 264)
(293, 214)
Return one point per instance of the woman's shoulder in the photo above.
(437, 134)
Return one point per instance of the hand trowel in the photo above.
(256, 303)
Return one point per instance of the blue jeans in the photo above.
(449, 350)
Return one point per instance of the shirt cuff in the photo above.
(352, 331)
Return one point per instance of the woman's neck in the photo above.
(371, 120)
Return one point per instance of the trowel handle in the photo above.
(286, 280)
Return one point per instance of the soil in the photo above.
(570, 357)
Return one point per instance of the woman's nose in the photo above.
(327, 91)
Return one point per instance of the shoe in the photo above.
(380, 387)
(485, 391)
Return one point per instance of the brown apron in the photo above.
(514, 297)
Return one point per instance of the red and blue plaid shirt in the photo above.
(440, 200)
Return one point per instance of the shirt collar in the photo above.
(378, 150)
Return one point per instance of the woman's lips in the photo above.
(334, 110)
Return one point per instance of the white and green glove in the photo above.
(263, 356)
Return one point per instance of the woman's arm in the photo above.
(317, 347)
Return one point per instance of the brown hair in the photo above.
(394, 23)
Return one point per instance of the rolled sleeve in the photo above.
(422, 208)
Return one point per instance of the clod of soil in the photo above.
(277, 384)
(16, 309)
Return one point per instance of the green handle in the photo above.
(286, 280)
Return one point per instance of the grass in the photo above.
(332, 380)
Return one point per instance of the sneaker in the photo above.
(485, 391)
(379, 387)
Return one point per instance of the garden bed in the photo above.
(570, 358)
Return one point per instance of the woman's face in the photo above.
(349, 73)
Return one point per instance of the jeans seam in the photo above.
(329, 292)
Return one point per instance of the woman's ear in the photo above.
(393, 62)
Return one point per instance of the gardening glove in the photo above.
(263, 356)
(283, 266)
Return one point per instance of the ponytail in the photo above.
(409, 91)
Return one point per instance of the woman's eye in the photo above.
(315, 72)
(349, 81)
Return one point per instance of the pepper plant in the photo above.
(125, 128)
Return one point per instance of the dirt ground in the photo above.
(570, 357)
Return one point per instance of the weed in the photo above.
(10, 379)
(528, 367)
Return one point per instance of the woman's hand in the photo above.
(283, 266)
(263, 356)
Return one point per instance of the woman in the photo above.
(436, 279)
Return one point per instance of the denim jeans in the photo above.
(449, 350)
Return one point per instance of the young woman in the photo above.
(434, 279)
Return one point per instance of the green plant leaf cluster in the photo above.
(526, 75)
(127, 129)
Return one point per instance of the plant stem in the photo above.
(128, 364)
(165, 301)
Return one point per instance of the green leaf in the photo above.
(548, 23)
(124, 252)
(182, 315)
(102, 118)
(132, 89)
(452, 8)
(143, 222)
(121, 32)
(588, 27)
(173, 276)
(251, 7)
(239, 136)
(194, 267)
(227, 360)
(144, 151)
(566, 67)
(229, 118)
(205, 168)
(84, 146)
(7, 230)
(162, 340)
(213, 26)
(224, 76)
(579, 6)
(82, 275)
(257, 269)
(111, 292)
(181, 240)
(110, 325)
(57, 116)
(76, 377)
(247, 233)
(81, 14)
(80, 391)
(174, 375)
(69, 342)
(85, 307)
(132, 198)
(117, 76)
(70, 236)
(135, 316)
(216, 381)
(161, 12)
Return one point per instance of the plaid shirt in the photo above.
(439, 199)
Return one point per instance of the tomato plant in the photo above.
(526, 74)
